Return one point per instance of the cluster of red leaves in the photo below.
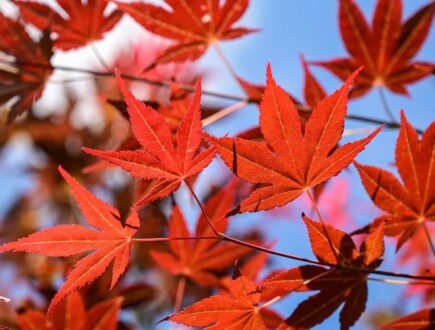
(200, 259)
(295, 154)
(25, 83)
(72, 314)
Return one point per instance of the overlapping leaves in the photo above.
(199, 259)
(337, 286)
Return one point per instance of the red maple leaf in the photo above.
(385, 49)
(239, 309)
(336, 286)
(411, 204)
(167, 166)
(421, 320)
(23, 81)
(111, 242)
(82, 21)
(200, 259)
(71, 314)
(192, 25)
(300, 158)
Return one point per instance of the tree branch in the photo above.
(190, 89)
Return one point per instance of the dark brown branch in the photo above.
(191, 89)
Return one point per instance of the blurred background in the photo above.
(73, 112)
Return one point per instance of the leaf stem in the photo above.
(385, 104)
(223, 113)
(429, 239)
(319, 215)
(210, 223)
(225, 61)
(180, 294)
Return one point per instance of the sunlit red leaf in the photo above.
(160, 160)
(111, 241)
(411, 203)
(299, 160)
(239, 310)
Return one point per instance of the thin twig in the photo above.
(385, 104)
(431, 244)
(328, 238)
(227, 238)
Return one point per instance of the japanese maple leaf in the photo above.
(293, 160)
(420, 320)
(239, 309)
(336, 286)
(411, 203)
(81, 22)
(200, 259)
(111, 241)
(386, 49)
(72, 314)
(192, 25)
(21, 81)
(160, 160)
